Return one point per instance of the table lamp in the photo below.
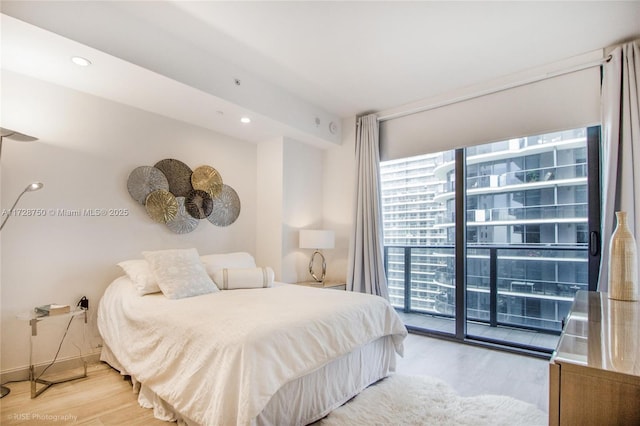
(317, 239)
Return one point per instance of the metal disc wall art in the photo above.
(178, 175)
(199, 204)
(174, 195)
(144, 180)
(161, 206)
(183, 223)
(206, 178)
(226, 207)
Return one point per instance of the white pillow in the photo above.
(180, 273)
(231, 279)
(140, 274)
(215, 262)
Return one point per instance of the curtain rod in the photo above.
(495, 89)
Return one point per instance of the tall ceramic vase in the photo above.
(623, 262)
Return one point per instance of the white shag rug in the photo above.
(414, 400)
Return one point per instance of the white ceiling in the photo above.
(304, 64)
(351, 57)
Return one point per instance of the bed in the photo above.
(281, 355)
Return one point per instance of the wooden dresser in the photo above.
(594, 373)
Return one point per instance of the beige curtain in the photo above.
(621, 146)
(366, 258)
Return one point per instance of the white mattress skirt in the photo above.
(301, 401)
(311, 397)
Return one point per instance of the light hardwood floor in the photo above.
(105, 398)
(472, 370)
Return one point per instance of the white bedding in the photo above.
(219, 358)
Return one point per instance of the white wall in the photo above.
(269, 204)
(339, 189)
(303, 206)
(87, 148)
(290, 197)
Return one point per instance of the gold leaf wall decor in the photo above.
(175, 195)
(161, 206)
(206, 178)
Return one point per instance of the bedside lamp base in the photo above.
(324, 267)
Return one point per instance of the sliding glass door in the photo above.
(528, 229)
(491, 243)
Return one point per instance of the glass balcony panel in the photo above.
(534, 287)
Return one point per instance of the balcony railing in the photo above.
(523, 286)
(544, 176)
(552, 211)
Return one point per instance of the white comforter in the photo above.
(218, 358)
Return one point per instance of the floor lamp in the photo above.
(21, 137)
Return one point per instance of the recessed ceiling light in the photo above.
(80, 61)
(245, 120)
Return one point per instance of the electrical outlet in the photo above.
(84, 303)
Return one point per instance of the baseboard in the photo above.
(61, 365)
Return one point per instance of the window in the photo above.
(527, 229)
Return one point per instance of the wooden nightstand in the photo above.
(334, 285)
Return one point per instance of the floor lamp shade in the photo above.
(16, 136)
(317, 239)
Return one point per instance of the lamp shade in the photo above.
(317, 239)
(34, 186)
(16, 136)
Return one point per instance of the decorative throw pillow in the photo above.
(140, 274)
(180, 273)
(216, 262)
(231, 279)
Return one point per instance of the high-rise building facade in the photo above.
(526, 218)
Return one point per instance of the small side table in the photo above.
(34, 319)
(334, 285)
